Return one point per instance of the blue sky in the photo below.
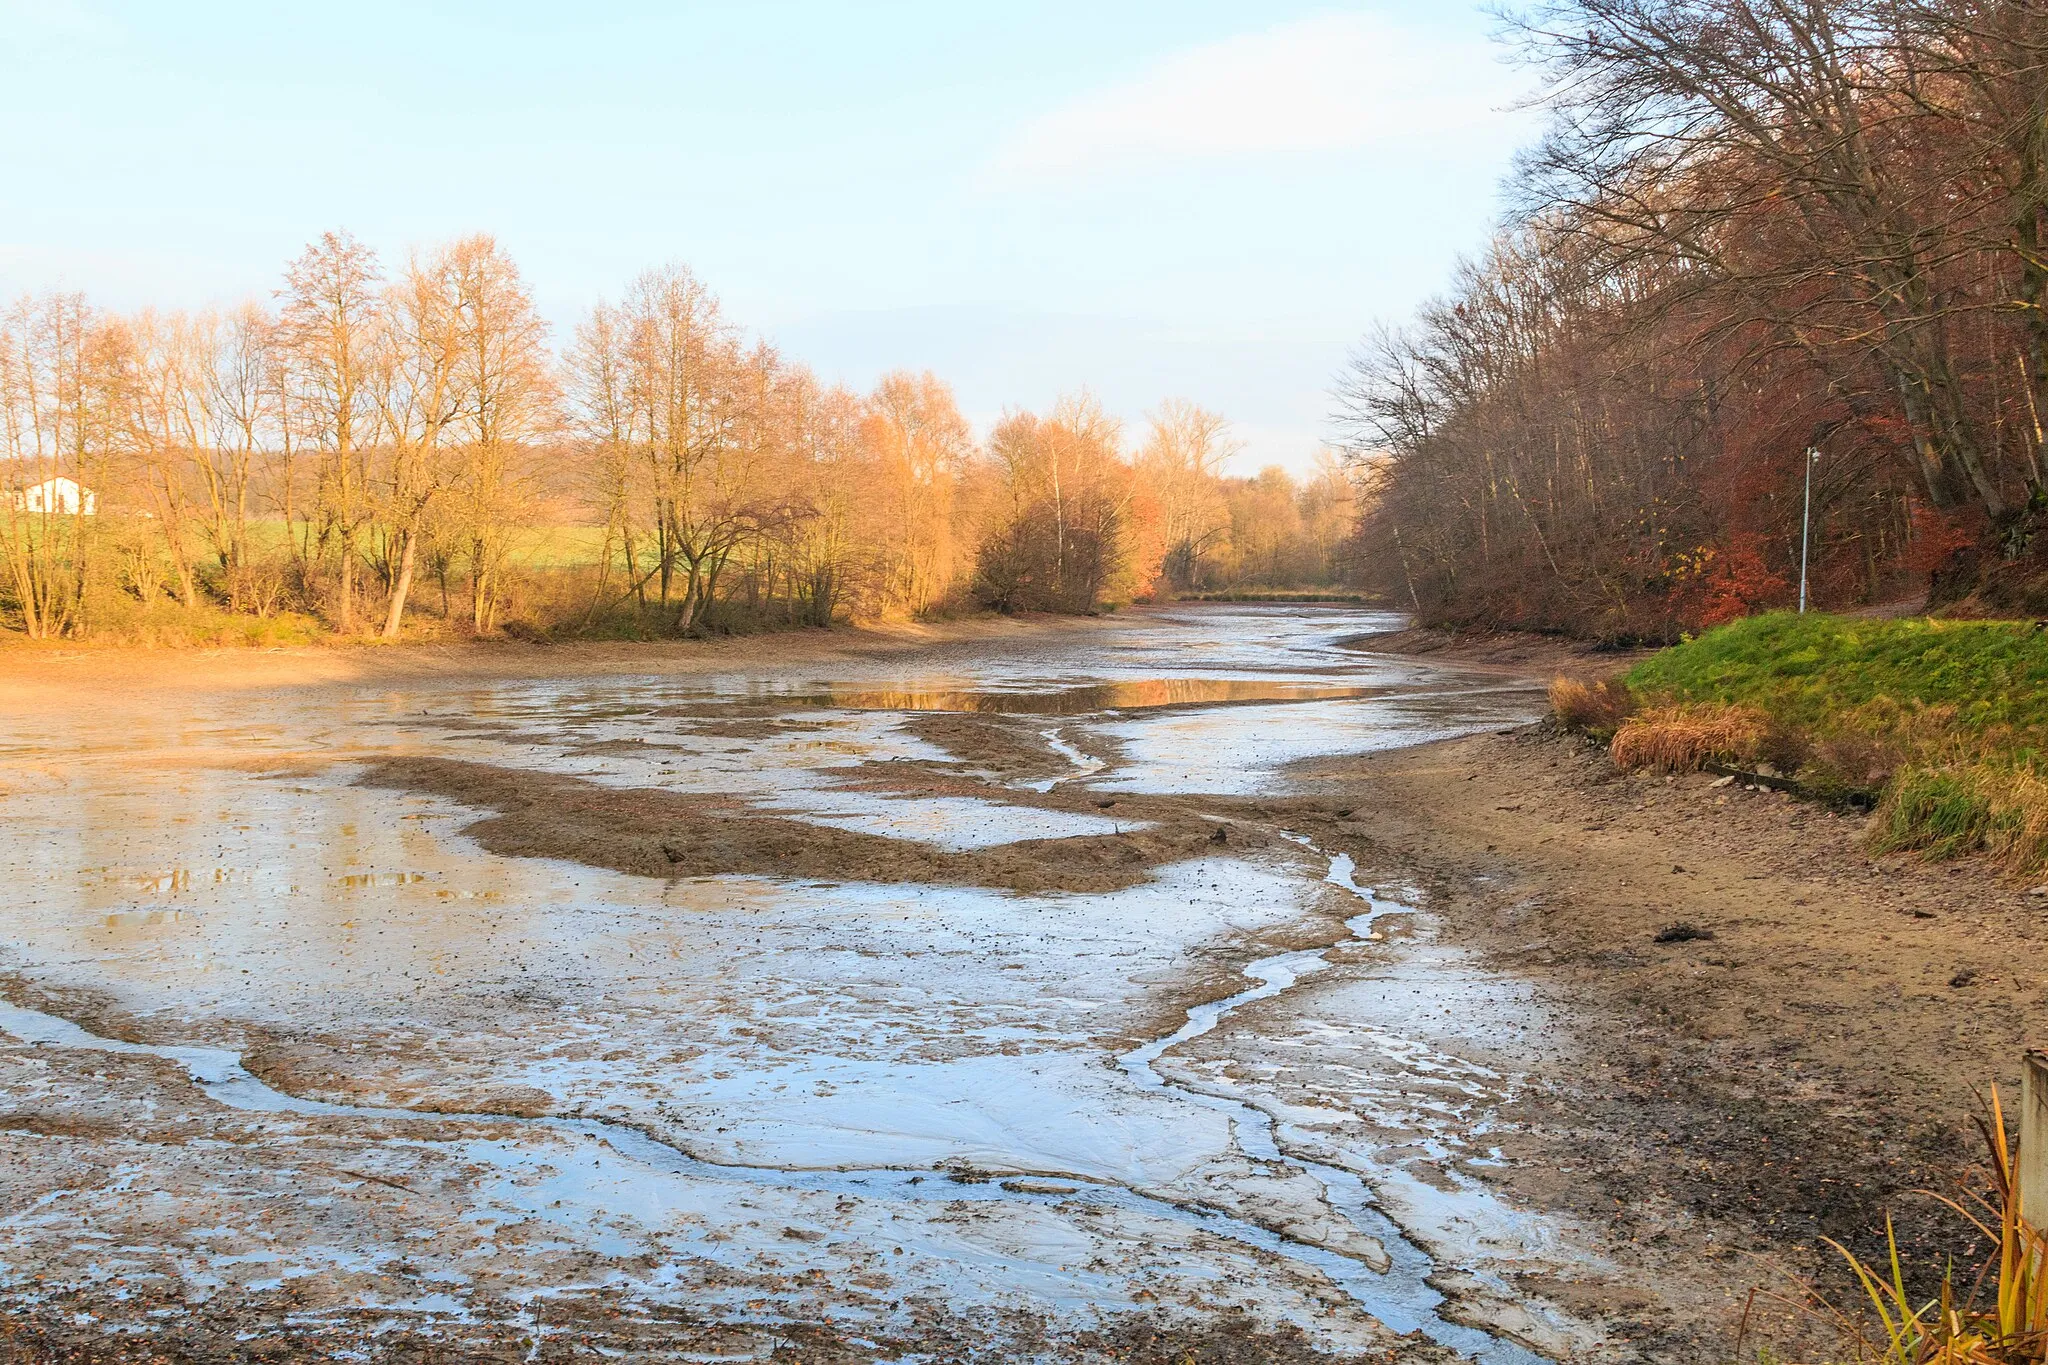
(1190, 199)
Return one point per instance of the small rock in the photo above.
(2038, 891)
(1966, 977)
(1682, 933)
(1104, 805)
(1676, 868)
(1221, 836)
(1723, 781)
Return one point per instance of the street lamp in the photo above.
(1806, 525)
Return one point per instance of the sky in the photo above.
(1145, 198)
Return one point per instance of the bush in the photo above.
(1843, 765)
(120, 620)
(1591, 708)
(1783, 747)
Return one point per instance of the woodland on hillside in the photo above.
(1756, 228)
(406, 451)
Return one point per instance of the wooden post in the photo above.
(2033, 1154)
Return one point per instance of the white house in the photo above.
(60, 495)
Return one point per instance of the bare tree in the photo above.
(1183, 458)
(332, 317)
(506, 385)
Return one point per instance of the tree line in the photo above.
(391, 451)
(1761, 239)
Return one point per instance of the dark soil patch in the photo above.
(654, 833)
(1007, 748)
(72, 1329)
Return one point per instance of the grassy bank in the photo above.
(1943, 724)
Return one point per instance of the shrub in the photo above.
(120, 620)
(1591, 708)
(1784, 747)
(1684, 739)
(1851, 763)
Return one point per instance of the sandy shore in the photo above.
(1518, 653)
(1806, 1065)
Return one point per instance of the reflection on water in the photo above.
(1124, 695)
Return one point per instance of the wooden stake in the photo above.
(2033, 1154)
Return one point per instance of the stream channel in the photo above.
(441, 1082)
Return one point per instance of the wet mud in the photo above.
(1020, 1005)
(669, 834)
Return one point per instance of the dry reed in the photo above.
(1684, 739)
(1591, 708)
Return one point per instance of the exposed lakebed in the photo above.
(991, 998)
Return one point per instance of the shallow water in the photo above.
(961, 1073)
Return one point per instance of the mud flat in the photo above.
(1012, 998)
(1807, 1059)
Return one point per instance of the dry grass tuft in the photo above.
(1948, 811)
(1591, 708)
(2021, 840)
(1683, 739)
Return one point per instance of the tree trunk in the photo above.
(396, 614)
(346, 613)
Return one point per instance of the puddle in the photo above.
(1243, 750)
(955, 823)
(1084, 765)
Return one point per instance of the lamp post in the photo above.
(1806, 525)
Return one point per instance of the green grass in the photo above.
(1941, 814)
(1945, 722)
(1814, 670)
(559, 547)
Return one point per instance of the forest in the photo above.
(407, 451)
(1761, 240)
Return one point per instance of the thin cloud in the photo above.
(1334, 83)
